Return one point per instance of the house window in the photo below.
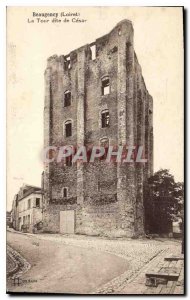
(67, 98)
(105, 118)
(24, 220)
(29, 203)
(37, 202)
(68, 128)
(28, 219)
(65, 192)
(105, 86)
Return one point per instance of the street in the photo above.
(82, 264)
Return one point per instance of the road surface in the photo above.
(60, 268)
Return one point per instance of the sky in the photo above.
(158, 43)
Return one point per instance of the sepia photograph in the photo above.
(95, 150)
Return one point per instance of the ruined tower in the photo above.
(97, 95)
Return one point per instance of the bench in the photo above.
(174, 258)
(156, 278)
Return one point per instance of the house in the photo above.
(27, 208)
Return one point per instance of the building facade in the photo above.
(27, 208)
(96, 95)
(8, 218)
(14, 212)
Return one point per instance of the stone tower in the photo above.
(97, 95)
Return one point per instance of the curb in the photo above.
(16, 268)
(22, 265)
(116, 283)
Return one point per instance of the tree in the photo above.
(163, 202)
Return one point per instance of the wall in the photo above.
(51, 217)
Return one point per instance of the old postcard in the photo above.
(95, 197)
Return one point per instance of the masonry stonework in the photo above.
(107, 197)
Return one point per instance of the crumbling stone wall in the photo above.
(107, 198)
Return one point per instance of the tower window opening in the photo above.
(68, 161)
(150, 112)
(105, 86)
(67, 98)
(93, 52)
(68, 128)
(65, 192)
(105, 119)
(104, 142)
(68, 63)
